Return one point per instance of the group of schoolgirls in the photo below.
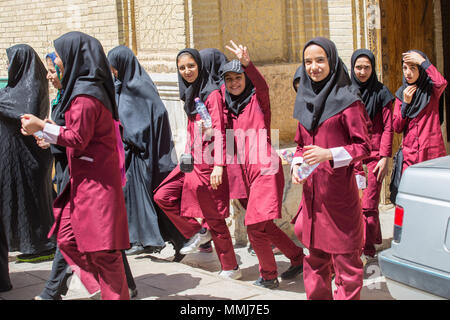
(333, 133)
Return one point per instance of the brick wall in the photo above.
(341, 27)
(39, 22)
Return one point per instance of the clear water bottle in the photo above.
(203, 112)
(304, 170)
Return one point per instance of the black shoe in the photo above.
(178, 257)
(269, 284)
(153, 249)
(46, 255)
(206, 247)
(6, 288)
(177, 245)
(292, 272)
(135, 249)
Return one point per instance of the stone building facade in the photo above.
(274, 32)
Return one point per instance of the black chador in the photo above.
(149, 152)
(25, 169)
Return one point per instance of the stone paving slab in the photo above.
(195, 278)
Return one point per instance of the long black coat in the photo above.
(25, 169)
(149, 150)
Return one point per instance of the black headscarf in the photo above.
(86, 71)
(141, 110)
(422, 95)
(27, 89)
(318, 101)
(201, 87)
(297, 76)
(213, 60)
(236, 104)
(374, 94)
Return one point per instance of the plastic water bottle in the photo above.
(203, 112)
(304, 170)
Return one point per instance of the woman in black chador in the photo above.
(25, 169)
(148, 153)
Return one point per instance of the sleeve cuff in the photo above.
(341, 158)
(295, 161)
(426, 64)
(51, 133)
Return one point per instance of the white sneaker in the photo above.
(231, 274)
(198, 239)
(367, 259)
(364, 259)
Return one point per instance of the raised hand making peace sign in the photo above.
(241, 53)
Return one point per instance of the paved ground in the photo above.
(195, 278)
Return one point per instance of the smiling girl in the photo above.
(332, 132)
(202, 193)
(247, 102)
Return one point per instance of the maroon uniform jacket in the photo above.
(257, 170)
(198, 198)
(94, 195)
(330, 215)
(422, 136)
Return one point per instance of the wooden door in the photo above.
(405, 25)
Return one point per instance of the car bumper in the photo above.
(408, 280)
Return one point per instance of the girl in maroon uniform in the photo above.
(91, 220)
(416, 110)
(202, 193)
(378, 102)
(332, 133)
(248, 112)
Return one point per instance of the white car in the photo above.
(417, 266)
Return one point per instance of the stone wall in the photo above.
(274, 31)
(160, 33)
(282, 97)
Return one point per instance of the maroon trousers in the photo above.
(262, 235)
(101, 270)
(317, 269)
(371, 199)
(168, 197)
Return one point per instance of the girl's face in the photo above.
(188, 68)
(59, 63)
(363, 68)
(296, 84)
(235, 83)
(115, 72)
(410, 72)
(316, 63)
(52, 76)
